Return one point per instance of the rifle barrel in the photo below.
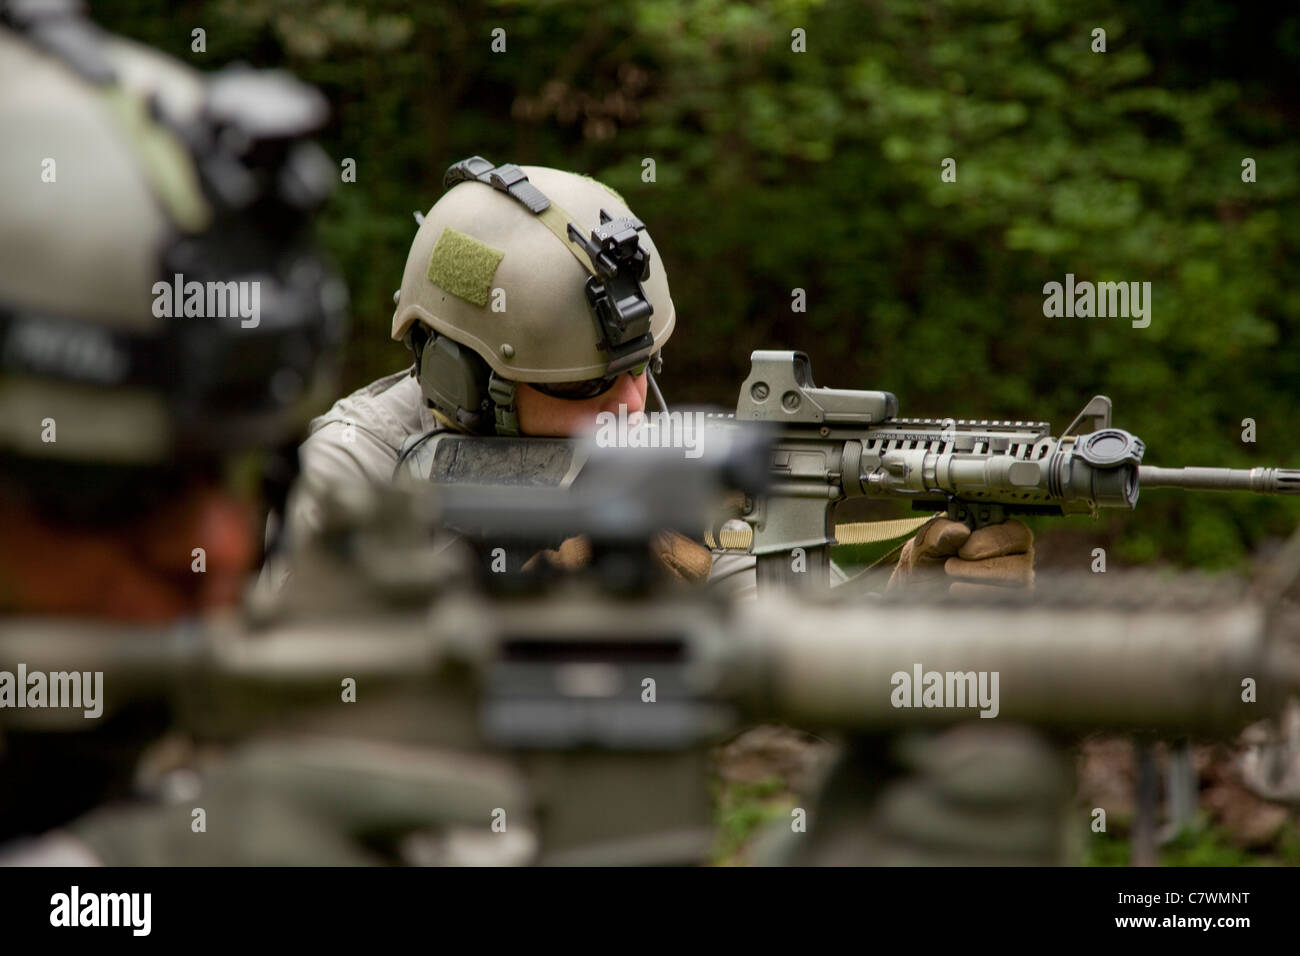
(1280, 481)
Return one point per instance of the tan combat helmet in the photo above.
(160, 301)
(527, 274)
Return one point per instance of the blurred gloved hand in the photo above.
(685, 560)
(947, 556)
(321, 802)
(572, 554)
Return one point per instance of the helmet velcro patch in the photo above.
(463, 266)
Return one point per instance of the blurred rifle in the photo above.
(607, 686)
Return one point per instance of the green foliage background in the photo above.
(820, 170)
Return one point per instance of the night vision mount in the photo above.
(615, 292)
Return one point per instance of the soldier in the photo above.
(516, 329)
(138, 195)
(479, 260)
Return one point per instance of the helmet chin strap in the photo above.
(502, 393)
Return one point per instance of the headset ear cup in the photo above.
(455, 380)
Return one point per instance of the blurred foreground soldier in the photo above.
(159, 318)
(163, 323)
(533, 300)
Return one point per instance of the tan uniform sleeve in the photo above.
(357, 440)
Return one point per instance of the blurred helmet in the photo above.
(160, 302)
(527, 274)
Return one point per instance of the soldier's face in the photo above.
(545, 415)
(142, 572)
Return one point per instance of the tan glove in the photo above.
(573, 553)
(686, 560)
(946, 556)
